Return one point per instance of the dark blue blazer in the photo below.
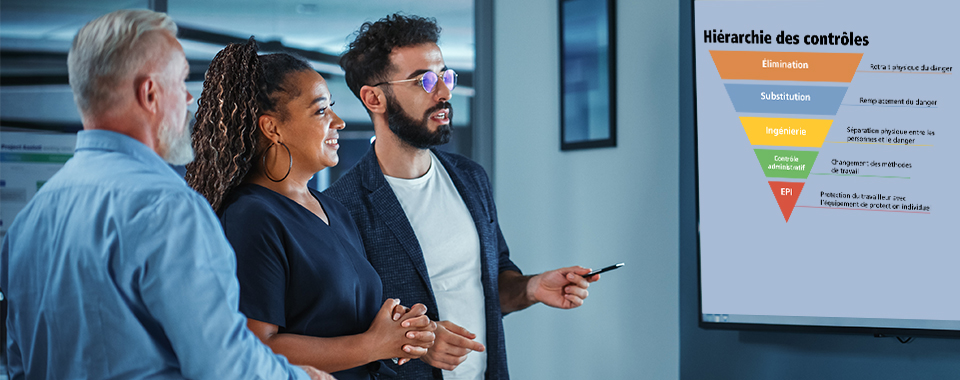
(395, 253)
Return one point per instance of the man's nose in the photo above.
(442, 92)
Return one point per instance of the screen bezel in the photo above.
(807, 328)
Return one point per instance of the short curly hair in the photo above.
(367, 60)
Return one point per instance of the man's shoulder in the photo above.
(165, 199)
(347, 188)
(165, 189)
(131, 209)
(461, 161)
(465, 168)
(123, 178)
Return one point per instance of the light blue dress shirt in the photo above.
(116, 269)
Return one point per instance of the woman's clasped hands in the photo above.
(401, 332)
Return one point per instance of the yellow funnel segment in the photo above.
(776, 131)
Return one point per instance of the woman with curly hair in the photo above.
(264, 127)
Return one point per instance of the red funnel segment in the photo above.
(786, 194)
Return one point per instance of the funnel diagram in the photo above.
(796, 111)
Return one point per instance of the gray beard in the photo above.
(178, 148)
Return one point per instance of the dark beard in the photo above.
(414, 133)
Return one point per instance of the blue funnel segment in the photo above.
(801, 100)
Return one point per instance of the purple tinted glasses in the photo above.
(429, 79)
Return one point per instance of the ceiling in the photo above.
(322, 26)
(35, 36)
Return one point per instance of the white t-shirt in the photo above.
(451, 249)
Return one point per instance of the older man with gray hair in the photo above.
(117, 269)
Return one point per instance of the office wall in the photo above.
(592, 207)
(711, 354)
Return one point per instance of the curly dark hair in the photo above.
(239, 87)
(367, 60)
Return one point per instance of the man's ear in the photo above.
(374, 99)
(148, 95)
(268, 127)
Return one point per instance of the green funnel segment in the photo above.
(786, 163)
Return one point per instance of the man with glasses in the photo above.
(427, 217)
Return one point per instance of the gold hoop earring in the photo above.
(263, 162)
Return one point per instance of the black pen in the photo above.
(609, 268)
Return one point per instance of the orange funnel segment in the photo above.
(786, 66)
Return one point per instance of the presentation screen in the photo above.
(828, 158)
